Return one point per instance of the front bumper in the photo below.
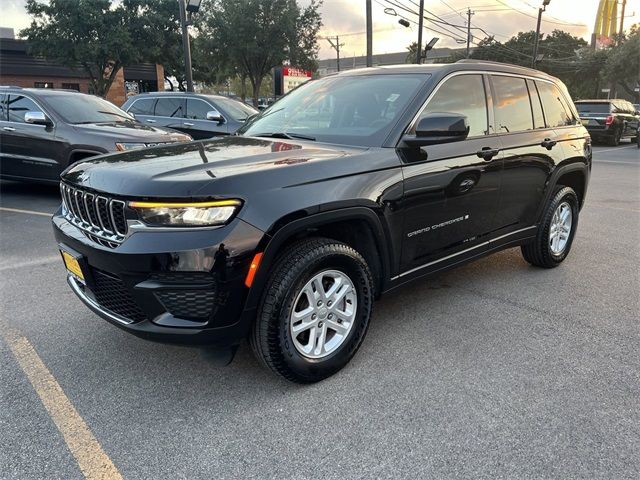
(183, 287)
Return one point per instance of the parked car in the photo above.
(609, 120)
(43, 131)
(350, 186)
(201, 116)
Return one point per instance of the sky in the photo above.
(346, 18)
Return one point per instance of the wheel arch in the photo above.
(358, 227)
(77, 154)
(574, 174)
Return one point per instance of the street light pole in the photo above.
(535, 46)
(420, 23)
(185, 45)
(369, 34)
(469, 13)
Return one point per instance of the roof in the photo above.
(394, 58)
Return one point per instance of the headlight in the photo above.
(197, 214)
(121, 147)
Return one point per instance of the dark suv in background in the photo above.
(201, 116)
(609, 120)
(44, 131)
(347, 187)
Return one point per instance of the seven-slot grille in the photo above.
(100, 217)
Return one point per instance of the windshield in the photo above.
(592, 107)
(236, 110)
(352, 110)
(77, 108)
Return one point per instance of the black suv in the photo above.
(44, 131)
(349, 186)
(609, 120)
(201, 116)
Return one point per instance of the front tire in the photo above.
(556, 232)
(315, 310)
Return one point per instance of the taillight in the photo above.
(609, 120)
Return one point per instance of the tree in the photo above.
(253, 36)
(623, 63)
(97, 36)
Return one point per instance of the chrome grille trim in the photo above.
(95, 215)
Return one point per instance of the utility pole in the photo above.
(624, 5)
(369, 35)
(469, 14)
(336, 46)
(420, 23)
(185, 45)
(537, 41)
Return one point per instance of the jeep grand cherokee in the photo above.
(349, 186)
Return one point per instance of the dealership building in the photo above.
(19, 68)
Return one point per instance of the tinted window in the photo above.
(512, 105)
(536, 105)
(556, 112)
(19, 105)
(142, 106)
(350, 110)
(3, 111)
(197, 109)
(78, 108)
(170, 107)
(464, 95)
(593, 107)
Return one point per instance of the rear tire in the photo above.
(615, 140)
(556, 232)
(299, 332)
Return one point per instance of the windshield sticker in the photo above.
(393, 97)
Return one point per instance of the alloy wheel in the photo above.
(560, 228)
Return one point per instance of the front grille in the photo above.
(100, 217)
(112, 295)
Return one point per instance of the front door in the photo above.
(196, 123)
(451, 196)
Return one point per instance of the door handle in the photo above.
(487, 153)
(9, 129)
(150, 121)
(188, 124)
(548, 143)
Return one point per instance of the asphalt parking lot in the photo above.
(497, 369)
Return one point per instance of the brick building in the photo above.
(20, 69)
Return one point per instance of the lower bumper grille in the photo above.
(112, 295)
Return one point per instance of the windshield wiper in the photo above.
(286, 135)
(114, 113)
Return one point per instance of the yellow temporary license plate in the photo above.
(72, 265)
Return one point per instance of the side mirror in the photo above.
(36, 118)
(215, 116)
(435, 128)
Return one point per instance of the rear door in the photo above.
(28, 150)
(196, 123)
(169, 112)
(530, 149)
(451, 192)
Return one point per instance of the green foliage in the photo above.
(250, 37)
(97, 36)
(623, 63)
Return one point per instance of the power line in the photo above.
(535, 18)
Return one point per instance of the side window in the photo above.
(556, 111)
(142, 106)
(19, 105)
(3, 110)
(536, 105)
(464, 95)
(512, 105)
(197, 109)
(170, 107)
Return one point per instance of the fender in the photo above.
(572, 165)
(74, 151)
(316, 220)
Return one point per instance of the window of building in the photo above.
(19, 105)
(71, 86)
(464, 95)
(170, 107)
(556, 112)
(43, 84)
(512, 105)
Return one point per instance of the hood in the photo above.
(232, 165)
(131, 132)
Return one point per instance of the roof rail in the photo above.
(490, 62)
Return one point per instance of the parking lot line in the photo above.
(30, 212)
(615, 148)
(92, 460)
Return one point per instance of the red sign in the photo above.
(295, 72)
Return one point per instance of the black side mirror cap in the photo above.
(436, 128)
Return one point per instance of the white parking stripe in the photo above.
(614, 148)
(29, 212)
